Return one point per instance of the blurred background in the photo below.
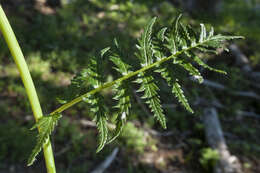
(58, 37)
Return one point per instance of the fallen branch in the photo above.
(204, 102)
(241, 59)
(156, 133)
(214, 135)
(247, 94)
(213, 84)
(218, 86)
(247, 114)
(87, 123)
(106, 163)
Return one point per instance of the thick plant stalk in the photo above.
(27, 81)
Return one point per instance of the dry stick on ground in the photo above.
(213, 84)
(201, 101)
(241, 59)
(88, 123)
(106, 163)
(250, 94)
(214, 135)
(243, 62)
(156, 133)
(241, 113)
(219, 86)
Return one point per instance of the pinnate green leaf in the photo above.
(101, 122)
(176, 89)
(123, 96)
(151, 96)
(145, 45)
(176, 43)
(192, 71)
(45, 125)
(161, 34)
(168, 74)
(201, 63)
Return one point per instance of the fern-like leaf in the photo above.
(101, 121)
(45, 125)
(158, 43)
(161, 34)
(176, 89)
(123, 90)
(146, 79)
(161, 52)
(97, 106)
(201, 63)
(173, 36)
(123, 96)
(211, 42)
(117, 58)
(168, 74)
(145, 45)
(150, 90)
(95, 77)
(192, 71)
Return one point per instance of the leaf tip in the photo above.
(99, 149)
(104, 51)
(164, 126)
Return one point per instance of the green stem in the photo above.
(27, 81)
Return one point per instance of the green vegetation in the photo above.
(179, 41)
(74, 34)
(209, 158)
(134, 138)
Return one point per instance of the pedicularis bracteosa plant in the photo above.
(161, 51)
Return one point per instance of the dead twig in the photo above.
(204, 102)
(248, 114)
(213, 84)
(218, 86)
(214, 135)
(247, 94)
(107, 162)
(87, 123)
(241, 59)
(156, 133)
